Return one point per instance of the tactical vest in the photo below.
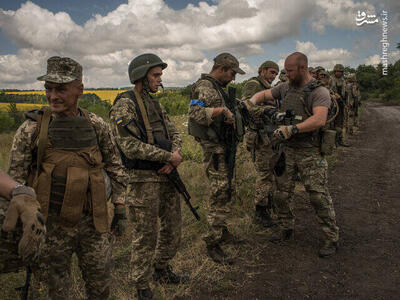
(296, 100)
(68, 177)
(155, 131)
(217, 130)
(339, 85)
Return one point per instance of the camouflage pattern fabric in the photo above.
(62, 70)
(258, 143)
(213, 154)
(21, 155)
(342, 117)
(313, 170)
(153, 246)
(127, 133)
(52, 275)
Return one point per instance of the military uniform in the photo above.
(302, 154)
(354, 102)
(338, 85)
(151, 196)
(64, 159)
(257, 142)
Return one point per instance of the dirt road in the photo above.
(365, 186)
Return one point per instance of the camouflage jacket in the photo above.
(254, 85)
(21, 155)
(338, 85)
(121, 115)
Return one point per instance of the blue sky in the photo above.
(105, 35)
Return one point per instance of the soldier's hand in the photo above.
(229, 118)
(176, 159)
(283, 132)
(166, 169)
(24, 205)
(119, 221)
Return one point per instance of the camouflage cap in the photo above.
(62, 70)
(324, 73)
(269, 64)
(310, 69)
(228, 60)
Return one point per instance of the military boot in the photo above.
(328, 249)
(145, 294)
(261, 217)
(167, 276)
(280, 235)
(218, 255)
(343, 143)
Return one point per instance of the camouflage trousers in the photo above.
(153, 246)
(219, 203)
(265, 177)
(341, 122)
(313, 169)
(53, 272)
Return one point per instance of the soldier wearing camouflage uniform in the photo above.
(354, 102)
(282, 77)
(68, 155)
(301, 151)
(139, 124)
(208, 117)
(338, 85)
(257, 142)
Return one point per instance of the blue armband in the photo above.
(197, 102)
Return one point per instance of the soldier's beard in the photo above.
(297, 81)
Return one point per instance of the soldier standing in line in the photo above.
(68, 155)
(257, 142)
(354, 102)
(282, 77)
(209, 119)
(310, 103)
(338, 85)
(141, 126)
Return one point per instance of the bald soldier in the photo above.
(301, 147)
(68, 156)
(257, 142)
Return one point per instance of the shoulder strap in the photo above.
(43, 135)
(143, 112)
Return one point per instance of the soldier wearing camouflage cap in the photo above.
(354, 103)
(68, 156)
(141, 127)
(312, 71)
(338, 85)
(257, 142)
(282, 77)
(209, 120)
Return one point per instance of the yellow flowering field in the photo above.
(105, 95)
(21, 106)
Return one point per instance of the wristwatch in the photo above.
(295, 130)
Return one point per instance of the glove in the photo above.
(25, 206)
(119, 221)
(284, 132)
(229, 118)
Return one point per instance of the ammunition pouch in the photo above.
(328, 141)
(203, 132)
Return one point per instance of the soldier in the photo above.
(66, 154)
(354, 102)
(141, 126)
(338, 85)
(209, 119)
(257, 142)
(313, 72)
(318, 70)
(282, 77)
(19, 202)
(310, 102)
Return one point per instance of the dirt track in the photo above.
(365, 186)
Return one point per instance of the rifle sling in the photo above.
(149, 131)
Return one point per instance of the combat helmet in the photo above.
(141, 64)
(338, 67)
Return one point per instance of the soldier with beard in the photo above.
(141, 126)
(257, 142)
(309, 101)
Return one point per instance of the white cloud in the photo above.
(186, 39)
(373, 60)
